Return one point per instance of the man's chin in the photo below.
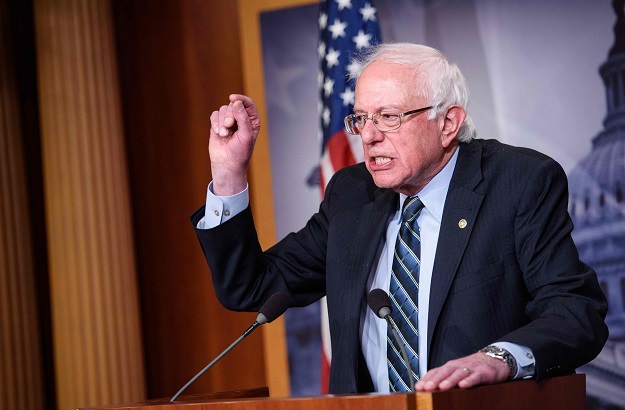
(381, 182)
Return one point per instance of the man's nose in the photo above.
(370, 134)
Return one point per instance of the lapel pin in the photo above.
(462, 223)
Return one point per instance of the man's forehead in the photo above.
(391, 105)
(384, 93)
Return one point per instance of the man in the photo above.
(493, 288)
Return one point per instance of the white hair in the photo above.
(444, 86)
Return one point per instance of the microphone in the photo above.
(275, 306)
(380, 303)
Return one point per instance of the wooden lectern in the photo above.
(566, 392)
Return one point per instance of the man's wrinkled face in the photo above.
(407, 158)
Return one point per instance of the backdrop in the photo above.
(533, 71)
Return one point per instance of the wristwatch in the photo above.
(504, 356)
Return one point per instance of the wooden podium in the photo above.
(567, 392)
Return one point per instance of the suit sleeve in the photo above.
(244, 276)
(567, 307)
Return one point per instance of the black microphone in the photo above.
(275, 306)
(380, 303)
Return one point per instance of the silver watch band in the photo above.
(503, 355)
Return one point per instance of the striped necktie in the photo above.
(404, 291)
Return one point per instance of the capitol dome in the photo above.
(597, 189)
(597, 207)
(597, 184)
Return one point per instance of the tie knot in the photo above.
(412, 207)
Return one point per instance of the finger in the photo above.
(229, 120)
(247, 101)
(242, 118)
(225, 111)
(420, 385)
(471, 380)
(483, 374)
(433, 378)
(214, 118)
(220, 118)
(250, 108)
(454, 378)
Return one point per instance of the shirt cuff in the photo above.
(524, 357)
(219, 209)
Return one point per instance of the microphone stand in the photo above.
(211, 364)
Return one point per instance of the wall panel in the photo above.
(179, 60)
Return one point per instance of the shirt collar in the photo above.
(433, 195)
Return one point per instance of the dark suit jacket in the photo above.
(512, 274)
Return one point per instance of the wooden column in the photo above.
(95, 310)
(21, 379)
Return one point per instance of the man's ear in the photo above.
(454, 117)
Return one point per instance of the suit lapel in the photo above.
(459, 214)
(369, 227)
(370, 232)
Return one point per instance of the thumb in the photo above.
(243, 120)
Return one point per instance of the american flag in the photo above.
(346, 27)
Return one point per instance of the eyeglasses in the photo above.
(383, 121)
